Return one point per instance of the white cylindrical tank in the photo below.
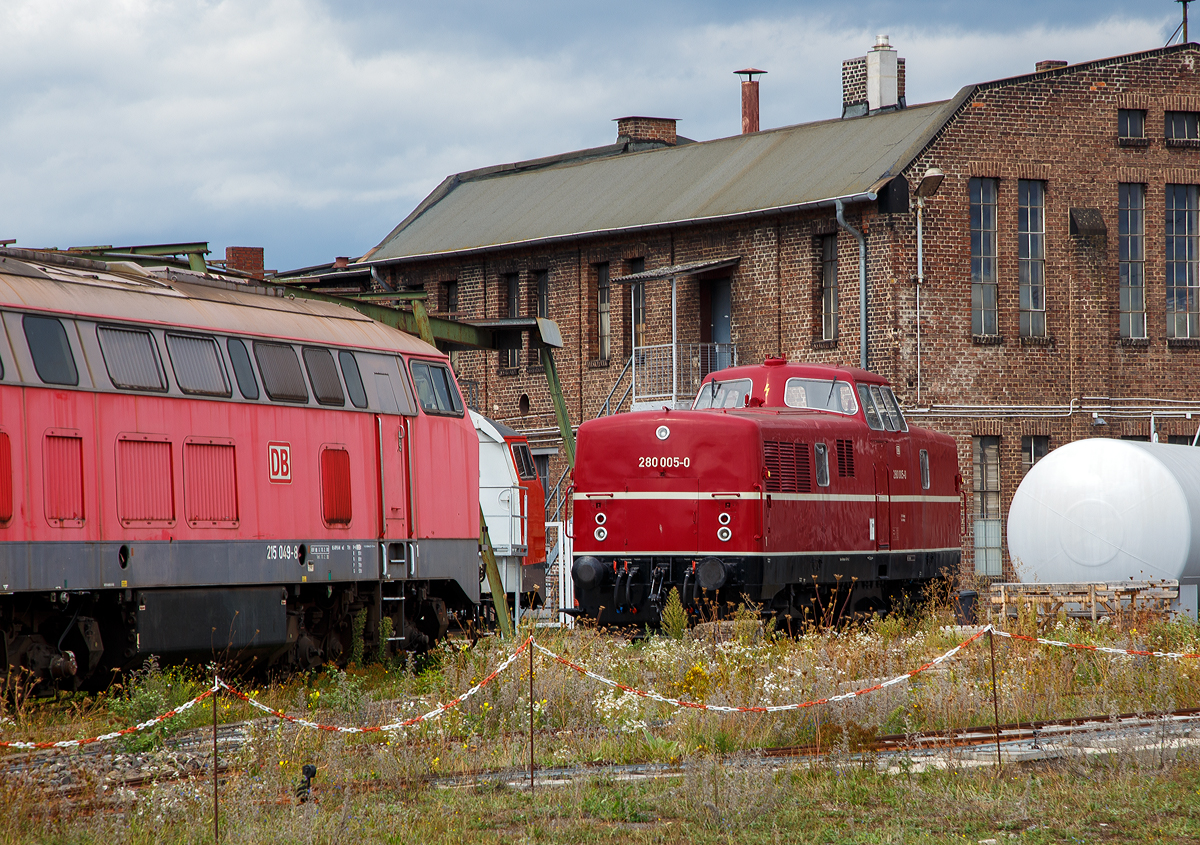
(1108, 510)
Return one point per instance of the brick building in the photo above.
(1061, 262)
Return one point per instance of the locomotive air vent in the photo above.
(788, 466)
(845, 456)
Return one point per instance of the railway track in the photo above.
(97, 778)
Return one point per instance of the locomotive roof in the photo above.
(120, 291)
(797, 369)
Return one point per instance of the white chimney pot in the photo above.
(882, 75)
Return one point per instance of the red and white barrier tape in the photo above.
(149, 723)
(392, 726)
(1105, 649)
(647, 694)
(774, 708)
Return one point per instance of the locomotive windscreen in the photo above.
(723, 394)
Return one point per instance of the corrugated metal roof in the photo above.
(776, 169)
(235, 309)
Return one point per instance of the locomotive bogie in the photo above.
(782, 481)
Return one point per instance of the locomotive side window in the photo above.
(52, 357)
(820, 394)
(323, 374)
(335, 486)
(354, 382)
(197, 364)
(281, 374)
(924, 469)
(891, 420)
(435, 389)
(868, 406)
(524, 461)
(243, 370)
(723, 394)
(131, 358)
(894, 406)
(822, 453)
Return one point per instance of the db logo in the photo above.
(279, 456)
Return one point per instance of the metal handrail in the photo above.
(606, 408)
(555, 498)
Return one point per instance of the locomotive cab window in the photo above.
(924, 469)
(820, 394)
(436, 389)
(197, 365)
(524, 462)
(323, 374)
(280, 370)
(52, 357)
(822, 452)
(354, 382)
(890, 418)
(724, 394)
(894, 405)
(874, 419)
(243, 370)
(131, 358)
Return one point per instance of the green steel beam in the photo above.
(446, 331)
(407, 296)
(560, 404)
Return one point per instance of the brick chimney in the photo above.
(873, 82)
(1049, 64)
(247, 259)
(749, 99)
(646, 132)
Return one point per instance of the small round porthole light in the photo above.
(601, 518)
(662, 432)
(601, 533)
(723, 519)
(723, 534)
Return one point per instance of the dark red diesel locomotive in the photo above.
(783, 481)
(191, 467)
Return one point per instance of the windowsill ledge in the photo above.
(598, 364)
(1184, 143)
(1133, 142)
(1042, 340)
(508, 371)
(1136, 342)
(1183, 343)
(987, 339)
(535, 369)
(824, 344)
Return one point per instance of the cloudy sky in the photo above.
(311, 128)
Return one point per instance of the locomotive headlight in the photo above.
(601, 533)
(723, 518)
(601, 518)
(723, 534)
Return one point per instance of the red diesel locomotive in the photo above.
(191, 467)
(782, 482)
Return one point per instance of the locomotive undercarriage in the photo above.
(78, 640)
(795, 589)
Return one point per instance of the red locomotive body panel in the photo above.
(155, 474)
(797, 474)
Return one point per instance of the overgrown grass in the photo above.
(377, 785)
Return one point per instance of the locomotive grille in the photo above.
(845, 458)
(788, 465)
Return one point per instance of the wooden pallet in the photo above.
(1079, 599)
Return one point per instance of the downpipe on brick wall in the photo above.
(862, 283)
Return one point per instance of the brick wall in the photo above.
(248, 259)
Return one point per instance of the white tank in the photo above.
(1108, 510)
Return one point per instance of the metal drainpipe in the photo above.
(862, 283)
